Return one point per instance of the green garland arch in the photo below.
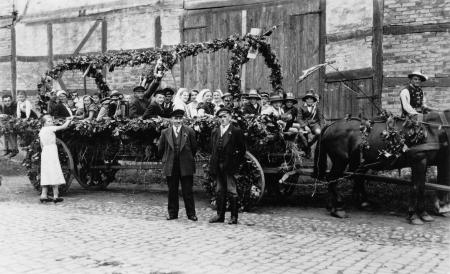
(239, 47)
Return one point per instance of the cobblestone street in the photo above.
(123, 230)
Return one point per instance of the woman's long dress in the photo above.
(51, 172)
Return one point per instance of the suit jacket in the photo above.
(305, 117)
(250, 109)
(188, 148)
(153, 110)
(137, 108)
(167, 110)
(11, 110)
(60, 111)
(233, 150)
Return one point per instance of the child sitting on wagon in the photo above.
(311, 120)
(51, 172)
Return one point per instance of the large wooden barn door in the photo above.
(347, 94)
(296, 43)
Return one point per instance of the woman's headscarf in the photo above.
(202, 94)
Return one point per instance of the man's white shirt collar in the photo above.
(223, 129)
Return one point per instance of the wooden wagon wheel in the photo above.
(252, 193)
(67, 166)
(93, 172)
(93, 178)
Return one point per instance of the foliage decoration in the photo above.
(92, 65)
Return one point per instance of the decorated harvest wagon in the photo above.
(92, 152)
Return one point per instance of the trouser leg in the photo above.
(173, 206)
(188, 194)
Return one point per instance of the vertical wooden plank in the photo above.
(322, 43)
(104, 44)
(182, 84)
(158, 32)
(13, 56)
(377, 49)
(49, 46)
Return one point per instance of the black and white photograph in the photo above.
(225, 136)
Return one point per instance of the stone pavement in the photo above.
(123, 231)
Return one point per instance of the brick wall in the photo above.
(426, 51)
(130, 26)
(345, 17)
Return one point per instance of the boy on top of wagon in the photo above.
(310, 119)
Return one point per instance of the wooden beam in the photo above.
(104, 43)
(181, 25)
(348, 75)
(49, 46)
(86, 37)
(401, 81)
(353, 34)
(13, 59)
(377, 49)
(201, 4)
(322, 44)
(158, 31)
(243, 32)
(407, 29)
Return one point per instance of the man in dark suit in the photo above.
(61, 109)
(154, 109)
(252, 107)
(167, 106)
(178, 146)
(139, 103)
(228, 152)
(9, 109)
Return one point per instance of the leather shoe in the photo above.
(217, 219)
(424, 216)
(415, 220)
(57, 200)
(193, 218)
(168, 218)
(233, 221)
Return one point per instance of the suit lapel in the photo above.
(226, 136)
(169, 136)
(183, 137)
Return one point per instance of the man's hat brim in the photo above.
(422, 77)
(177, 113)
(223, 109)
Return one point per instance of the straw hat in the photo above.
(422, 77)
(290, 97)
(276, 98)
(310, 94)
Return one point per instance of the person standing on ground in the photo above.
(178, 146)
(9, 109)
(51, 172)
(228, 152)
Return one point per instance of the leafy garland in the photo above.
(396, 141)
(239, 47)
(90, 137)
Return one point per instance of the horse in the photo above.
(342, 141)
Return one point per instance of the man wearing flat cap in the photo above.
(178, 146)
(155, 109)
(228, 152)
(139, 103)
(167, 106)
(411, 97)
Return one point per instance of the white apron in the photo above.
(51, 172)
